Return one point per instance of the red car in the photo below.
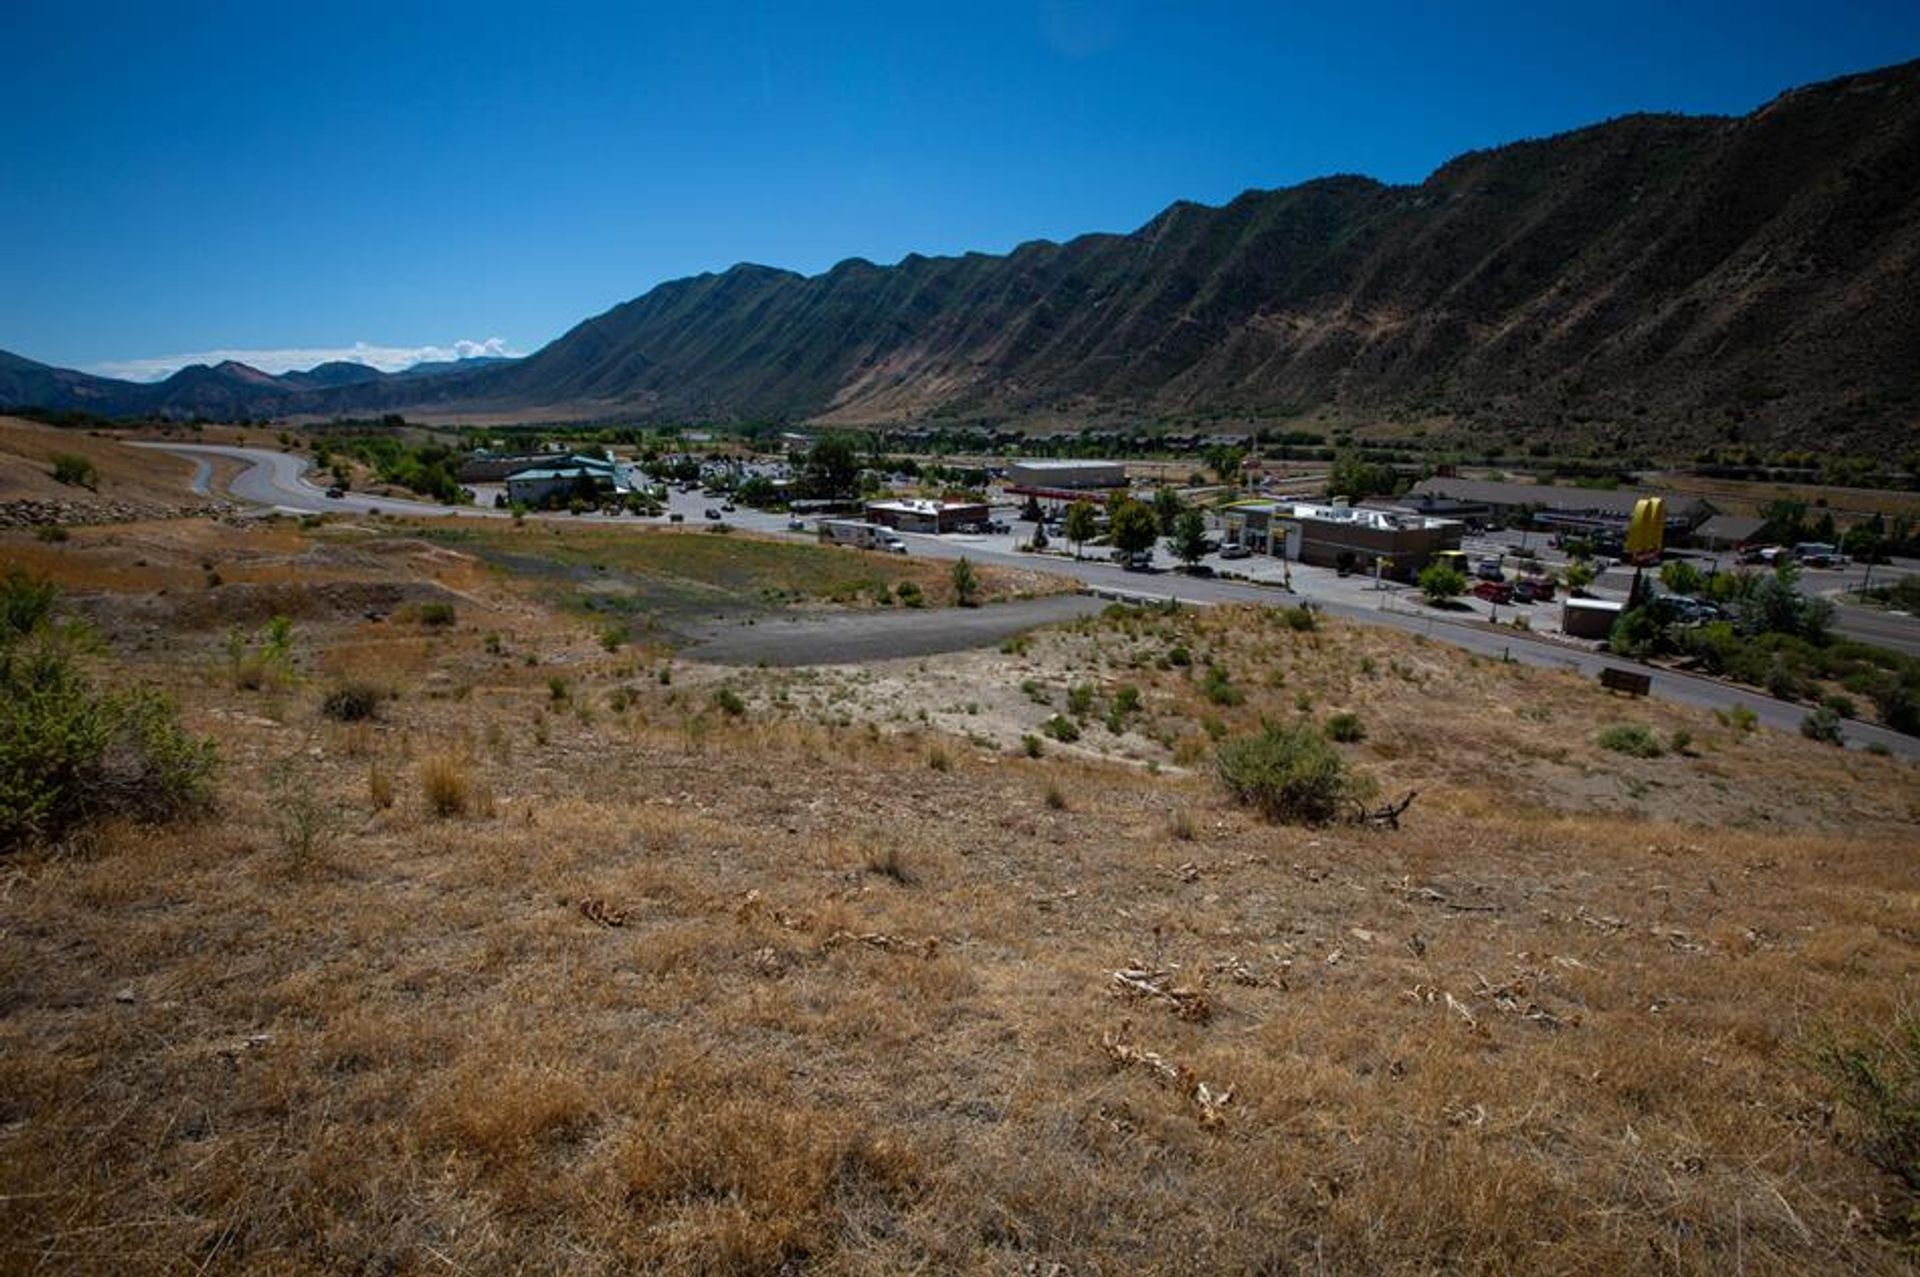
(1493, 591)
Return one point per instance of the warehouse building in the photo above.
(1074, 476)
(1397, 544)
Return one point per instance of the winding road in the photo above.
(278, 480)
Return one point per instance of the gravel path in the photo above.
(846, 638)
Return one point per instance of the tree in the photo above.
(1080, 524)
(1168, 506)
(1135, 528)
(1776, 606)
(757, 492)
(1354, 478)
(1225, 461)
(832, 468)
(1190, 537)
(1682, 577)
(1579, 575)
(966, 583)
(1786, 521)
(1438, 583)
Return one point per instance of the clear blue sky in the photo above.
(188, 178)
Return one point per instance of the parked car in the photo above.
(1493, 591)
(336, 492)
(1489, 570)
(676, 517)
(1139, 561)
(727, 506)
(1523, 592)
(712, 513)
(796, 524)
(1235, 552)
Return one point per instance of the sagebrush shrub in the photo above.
(72, 753)
(1288, 773)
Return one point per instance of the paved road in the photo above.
(277, 479)
(849, 637)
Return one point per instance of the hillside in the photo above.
(1655, 282)
(590, 957)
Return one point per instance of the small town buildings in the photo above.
(1338, 535)
(910, 515)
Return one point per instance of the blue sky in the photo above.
(285, 183)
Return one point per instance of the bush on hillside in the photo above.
(1289, 773)
(72, 753)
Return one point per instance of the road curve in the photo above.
(277, 479)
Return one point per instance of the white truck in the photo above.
(862, 535)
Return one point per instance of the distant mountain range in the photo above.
(1654, 282)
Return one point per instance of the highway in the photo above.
(277, 480)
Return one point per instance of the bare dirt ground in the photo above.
(739, 970)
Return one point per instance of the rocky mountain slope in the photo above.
(1650, 282)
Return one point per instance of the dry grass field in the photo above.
(580, 956)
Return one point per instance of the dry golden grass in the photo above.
(670, 1009)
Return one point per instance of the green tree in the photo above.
(1080, 524)
(1168, 507)
(1226, 461)
(1438, 582)
(1579, 575)
(832, 468)
(1681, 577)
(1786, 521)
(966, 583)
(1190, 537)
(1355, 478)
(757, 492)
(1135, 528)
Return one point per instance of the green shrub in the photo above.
(1636, 739)
(1822, 725)
(352, 701)
(52, 533)
(1841, 705)
(1300, 618)
(1345, 728)
(1062, 729)
(1080, 700)
(74, 471)
(910, 595)
(728, 702)
(72, 753)
(1220, 689)
(1126, 699)
(1178, 655)
(437, 614)
(1031, 745)
(1681, 740)
(1288, 773)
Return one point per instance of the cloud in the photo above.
(385, 358)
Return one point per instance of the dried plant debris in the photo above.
(1148, 983)
(1209, 1102)
(594, 909)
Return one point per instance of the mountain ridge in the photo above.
(1654, 279)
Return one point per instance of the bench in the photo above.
(1627, 681)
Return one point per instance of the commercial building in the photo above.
(907, 515)
(1484, 501)
(555, 477)
(1396, 543)
(1589, 618)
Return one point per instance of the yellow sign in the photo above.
(1647, 529)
